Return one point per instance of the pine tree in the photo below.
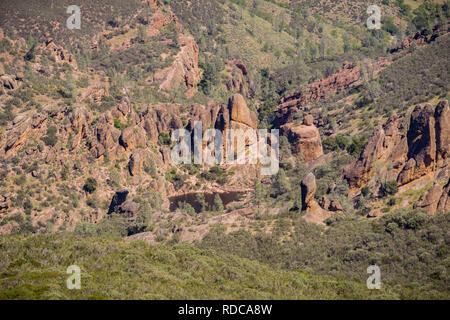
(200, 197)
(280, 185)
(218, 205)
(260, 193)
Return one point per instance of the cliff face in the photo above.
(184, 70)
(387, 143)
(422, 150)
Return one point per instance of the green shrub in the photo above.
(90, 185)
(388, 188)
(50, 139)
(164, 139)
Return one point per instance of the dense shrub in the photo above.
(90, 185)
(50, 139)
(388, 188)
(396, 243)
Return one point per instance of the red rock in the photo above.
(430, 200)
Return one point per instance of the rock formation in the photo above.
(344, 78)
(444, 201)
(308, 187)
(430, 200)
(386, 142)
(237, 78)
(60, 54)
(184, 70)
(4, 203)
(314, 212)
(304, 138)
(423, 149)
(240, 113)
(135, 164)
(121, 204)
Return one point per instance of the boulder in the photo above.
(308, 188)
(304, 139)
(240, 112)
(325, 203)
(430, 200)
(135, 163)
(132, 137)
(120, 204)
(8, 82)
(129, 209)
(308, 120)
(335, 205)
(374, 214)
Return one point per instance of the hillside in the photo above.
(138, 271)
(87, 124)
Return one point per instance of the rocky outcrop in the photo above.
(344, 78)
(121, 204)
(428, 141)
(315, 213)
(419, 151)
(237, 78)
(26, 126)
(430, 200)
(184, 70)
(304, 139)
(442, 118)
(161, 118)
(4, 203)
(118, 199)
(308, 187)
(132, 138)
(422, 139)
(335, 206)
(8, 82)
(60, 54)
(361, 170)
(331, 205)
(240, 112)
(349, 76)
(135, 164)
(444, 201)
(421, 37)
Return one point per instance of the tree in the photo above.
(260, 193)
(200, 198)
(90, 185)
(280, 185)
(218, 205)
(389, 188)
(186, 207)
